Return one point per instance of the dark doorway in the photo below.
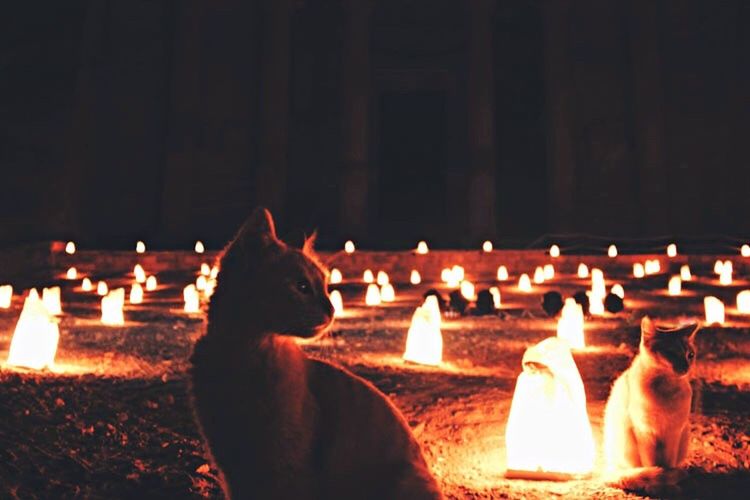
(410, 160)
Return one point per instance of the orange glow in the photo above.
(548, 430)
(70, 248)
(612, 251)
(685, 274)
(86, 285)
(458, 273)
(487, 246)
(583, 270)
(368, 277)
(596, 303)
(372, 297)
(205, 269)
(495, 291)
(672, 250)
(743, 302)
(652, 267)
(728, 267)
(414, 277)
(336, 277)
(136, 294)
(140, 247)
(140, 274)
(714, 310)
(210, 286)
(467, 290)
(554, 251)
(383, 278)
(337, 302)
(112, 305)
(191, 298)
(725, 278)
(101, 288)
(199, 248)
(214, 272)
(538, 275)
(638, 270)
(424, 342)
(35, 337)
(618, 290)
(72, 273)
(387, 293)
(718, 266)
(675, 285)
(51, 300)
(570, 324)
(151, 283)
(549, 272)
(745, 250)
(201, 282)
(349, 246)
(6, 296)
(524, 283)
(422, 248)
(502, 273)
(598, 286)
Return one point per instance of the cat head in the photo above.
(267, 286)
(671, 348)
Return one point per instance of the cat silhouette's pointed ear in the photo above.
(258, 229)
(648, 328)
(309, 246)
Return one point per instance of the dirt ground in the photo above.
(113, 419)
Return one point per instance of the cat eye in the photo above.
(690, 355)
(304, 287)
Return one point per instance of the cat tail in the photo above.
(651, 481)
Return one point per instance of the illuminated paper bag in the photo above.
(548, 435)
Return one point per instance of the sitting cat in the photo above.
(280, 425)
(646, 419)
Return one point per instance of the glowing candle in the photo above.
(502, 273)
(336, 276)
(554, 251)
(446, 275)
(337, 302)
(487, 246)
(672, 250)
(653, 267)
(549, 272)
(210, 286)
(151, 283)
(548, 429)
(201, 282)
(140, 247)
(214, 272)
(368, 277)
(349, 247)
(205, 269)
(86, 285)
(70, 248)
(538, 275)
(725, 278)
(139, 273)
(612, 251)
(372, 297)
(191, 299)
(387, 293)
(199, 248)
(424, 341)
(524, 283)
(467, 290)
(570, 324)
(745, 251)
(112, 305)
(596, 303)
(458, 273)
(638, 270)
(728, 266)
(51, 300)
(136, 293)
(35, 337)
(718, 266)
(101, 288)
(714, 310)
(433, 310)
(743, 302)
(71, 273)
(415, 278)
(495, 291)
(583, 270)
(675, 285)
(685, 274)
(383, 278)
(598, 285)
(422, 248)
(618, 290)
(6, 296)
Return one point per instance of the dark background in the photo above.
(386, 121)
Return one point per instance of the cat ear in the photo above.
(648, 329)
(309, 246)
(258, 228)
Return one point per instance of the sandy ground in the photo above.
(113, 419)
